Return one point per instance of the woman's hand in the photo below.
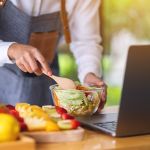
(28, 59)
(92, 79)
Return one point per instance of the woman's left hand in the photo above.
(92, 79)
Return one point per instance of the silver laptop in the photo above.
(133, 117)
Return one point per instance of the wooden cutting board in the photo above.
(23, 143)
(57, 136)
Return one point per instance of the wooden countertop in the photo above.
(96, 140)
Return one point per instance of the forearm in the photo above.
(86, 38)
(88, 58)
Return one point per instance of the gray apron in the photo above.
(15, 85)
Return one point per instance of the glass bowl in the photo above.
(78, 102)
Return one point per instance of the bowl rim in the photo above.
(51, 87)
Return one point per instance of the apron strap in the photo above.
(2, 3)
(65, 23)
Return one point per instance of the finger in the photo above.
(103, 98)
(104, 95)
(33, 64)
(21, 66)
(43, 63)
(93, 80)
(38, 73)
(99, 82)
(26, 64)
(101, 107)
(102, 104)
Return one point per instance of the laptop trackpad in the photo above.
(98, 118)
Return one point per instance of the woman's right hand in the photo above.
(29, 59)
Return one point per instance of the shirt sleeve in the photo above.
(3, 52)
(85, 33)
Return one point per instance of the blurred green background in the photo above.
(132, 15)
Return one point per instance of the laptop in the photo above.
(133, 117)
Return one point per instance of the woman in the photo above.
(30, 32)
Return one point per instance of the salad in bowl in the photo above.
(81, 101)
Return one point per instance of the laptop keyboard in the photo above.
(108, 125)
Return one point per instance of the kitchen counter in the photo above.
(96, 140)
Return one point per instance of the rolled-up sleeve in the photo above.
(85, 32)
(3, 52)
